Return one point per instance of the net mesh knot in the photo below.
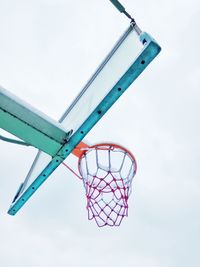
(107, 171)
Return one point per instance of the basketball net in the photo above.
(107, 171)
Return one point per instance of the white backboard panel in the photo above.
(126, 61)
(108, 74)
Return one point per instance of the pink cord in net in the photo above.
(107, 172)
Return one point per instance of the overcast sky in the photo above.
(48, 50)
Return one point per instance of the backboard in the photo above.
(126, 61)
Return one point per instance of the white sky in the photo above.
(48, 50)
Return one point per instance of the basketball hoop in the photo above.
(107, 171)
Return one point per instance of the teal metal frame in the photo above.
(149, 52)
(30, 125)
